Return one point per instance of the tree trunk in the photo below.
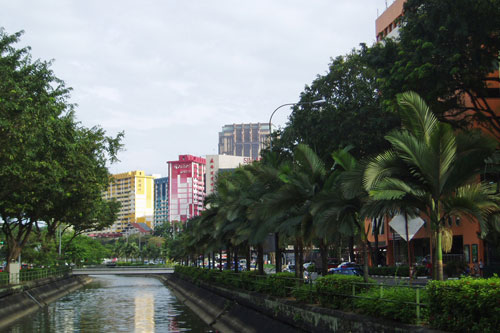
(351, 248)
(439, 256)
(228, 259)
(277, 251)
(296, 258)
(203, 260)
(376, 228)
(323, 249)
(236, 262)
(248, 257)
(301, 258)
(220, 260)
(365, 259)
(260, 258)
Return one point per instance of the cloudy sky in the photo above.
(172, 73)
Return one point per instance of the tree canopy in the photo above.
(52, 169)
(352, 115)
(446, 51)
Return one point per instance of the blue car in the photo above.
(346, 271)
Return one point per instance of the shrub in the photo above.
(395, 270)
(396, 307)
(305, 293)
(336, 290)
(465, 305)
(281, 284)
(249, 280)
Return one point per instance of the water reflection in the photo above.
(114, 303)
(144, 313)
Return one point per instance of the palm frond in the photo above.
(416, 116)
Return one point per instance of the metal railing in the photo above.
(255, 282)
(32, 274)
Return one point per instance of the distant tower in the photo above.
(244, 139)
(161, 200)
(186, 190)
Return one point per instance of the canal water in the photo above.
(113, 303)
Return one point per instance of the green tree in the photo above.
(445, 52)
(434, 165)
(84, 249)
(352, 115)
(43, 151)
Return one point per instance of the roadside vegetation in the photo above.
(466, 305)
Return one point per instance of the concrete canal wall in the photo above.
(19, 301)
(235, 311)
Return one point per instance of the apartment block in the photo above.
(186, 190)
(161, 200)
(135, 191)
(244, 139)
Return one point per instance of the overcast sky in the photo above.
(172, 73)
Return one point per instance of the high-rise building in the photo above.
(135, 191)
(244, 139)
(161, 200)
(217, 164)
(186, 190)
(387, 24)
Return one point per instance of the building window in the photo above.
(467, 253)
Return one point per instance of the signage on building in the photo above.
(399, 225)
(181, 166)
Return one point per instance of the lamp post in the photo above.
(276, 235)
(321, 101)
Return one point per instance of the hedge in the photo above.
(335, 290)
(465, 305)
(394, 305)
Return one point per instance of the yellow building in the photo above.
(135, 191)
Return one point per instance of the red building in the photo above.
(186, 190)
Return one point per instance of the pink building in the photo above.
(186, 190)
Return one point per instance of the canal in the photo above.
(112, 303)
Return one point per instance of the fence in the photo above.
(284, 286)
(32, 274)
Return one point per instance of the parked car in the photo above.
(333, 263)
(347, 264)
(346, 271)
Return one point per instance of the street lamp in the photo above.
(321, 101)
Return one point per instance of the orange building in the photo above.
(467, 246)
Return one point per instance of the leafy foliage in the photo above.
(335, 290)
(52, 169)
(446, 52)
(352, 116)
(465, 305)
(395, 305)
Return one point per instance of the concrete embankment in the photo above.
(221, 313)
(18, 301)
(236, 311)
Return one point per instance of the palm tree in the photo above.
(340, 207)
(290, 206)
(434, 165)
